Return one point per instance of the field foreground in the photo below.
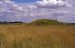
(33, 36)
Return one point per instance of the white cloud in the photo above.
(11, 11)
(68, 19)
(48, 3)
(1, 2)
(20, 8)
(32, 6)
(7, 1)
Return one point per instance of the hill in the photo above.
(45, 22)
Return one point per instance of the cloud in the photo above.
(68, 19)
(1, 2)
(7, 1)
(52, 3)
(27, 12)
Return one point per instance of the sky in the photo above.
(24, 1)
(11, 11)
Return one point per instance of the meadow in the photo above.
(37, 36)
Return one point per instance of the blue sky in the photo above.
(24, 1)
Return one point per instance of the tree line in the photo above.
(10, 22)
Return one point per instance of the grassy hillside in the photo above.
(45, 22)
(25, 36)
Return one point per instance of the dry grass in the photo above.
(30, 36)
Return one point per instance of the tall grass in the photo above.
(24, 36)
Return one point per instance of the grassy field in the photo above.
(34, 36)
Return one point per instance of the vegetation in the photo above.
(39, 22)
(30, 36)
(16, 22)
(45, 22)
(50, 35)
